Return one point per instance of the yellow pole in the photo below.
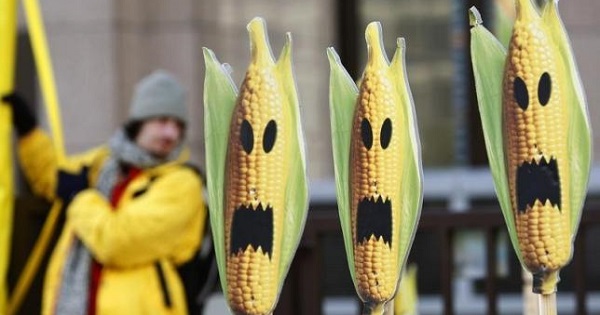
(8, 38)
(44, 68)
(41, 54)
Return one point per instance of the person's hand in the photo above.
(23, 118)
(70, 184)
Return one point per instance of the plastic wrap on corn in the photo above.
(537, 133)
(377, 164)
(256, 172)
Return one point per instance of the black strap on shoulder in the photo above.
(200, 274)
(163, 284)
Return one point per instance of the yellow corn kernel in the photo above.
(257, 158)
(375, 174)
(535, 125)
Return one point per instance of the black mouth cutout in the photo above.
(374, 217)
(538, 181)
(252, 227)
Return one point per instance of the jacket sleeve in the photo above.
(40, 164)
(146, 228)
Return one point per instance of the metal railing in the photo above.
(303, 291)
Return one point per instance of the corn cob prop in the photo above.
(537, 134)
(258, 190)
(406, 301)
(377, 168)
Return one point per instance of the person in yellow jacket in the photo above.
(135, 208)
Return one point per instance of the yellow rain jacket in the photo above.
(157, 225)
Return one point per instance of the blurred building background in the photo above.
(100, 49)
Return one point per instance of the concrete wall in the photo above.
(582, 24)
(82, 47)
(100, 49)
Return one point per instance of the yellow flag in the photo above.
(43, 63)
(8, 36)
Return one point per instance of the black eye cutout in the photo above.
(386, 133)
(521, 94)
(247, 136)
(366, 133)
(270, 136)
(544, 89)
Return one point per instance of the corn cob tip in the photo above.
(526, 10)
(285, 57)
(401, 43)
(287, 47)
(550, 11)
(259, 42)
(398, 58)
(227, 68)
(374, 40)
(332, 55)
(257, 24)
(211, 58)
(208, 54)
(475, 17)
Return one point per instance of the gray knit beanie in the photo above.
(158, 94)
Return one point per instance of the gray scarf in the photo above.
(75, 281)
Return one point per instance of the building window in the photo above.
(438, 65)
